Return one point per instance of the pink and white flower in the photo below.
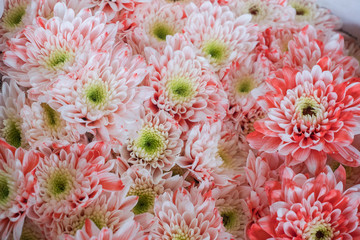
(17, 183)
(309, 208)
(309, 115)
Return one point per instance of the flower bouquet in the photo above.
(177, 120)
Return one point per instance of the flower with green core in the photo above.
(13, 17)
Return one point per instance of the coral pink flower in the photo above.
(218, 35)
(188, 215)
(60, 45)
(184, 85)
(69, 178)
(309, 115)
(104, 96)
(17, 183)
(315, 208)
(130, 230)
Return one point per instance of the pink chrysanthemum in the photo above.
(70, 178)
(315, 208)
(154, 21)
(218, 35)
(185, 86)
(130, 230)
(46, 8)
(309, 115)
(104, 96)
(17, 182)
(42, 124)
(212, 153)
(12, 100)
(156, 144)
(308, 12)
(60, 45)
(17, 15)
(187, 216)
(265, 13)
(109, 210)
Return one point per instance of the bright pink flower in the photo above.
(71, 177)
(17, 183)
(310, 115)
(309, 208)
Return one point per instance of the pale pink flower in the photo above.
(130, 230)
(212, 154)
(154, 22)
(188, 215)
(156, 144)
(17, 182)
(46, 8)
(308, 12)
(17, 14)
(69, 178)
(265, 13)
(218, 35)
(42, 124)
(109, 210)
(105, 96)
(57, 46)
(309, 115)
(309, 208)
(184, 85)
(12, 100)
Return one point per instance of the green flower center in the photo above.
(12, 132)
(60, 184)
(4, 190)
(181, 90)
(58, 58)
(51, 116)
(300, 9)
(150, 144)
(320, 232)
(229, 219)
(13, 17)
(161, 30)
(245, 85)
(216, 50)
(145, 201)
(97, 93)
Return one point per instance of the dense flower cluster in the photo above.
(177, 120)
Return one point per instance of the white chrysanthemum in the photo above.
(265, 13)
(156, 144)
(17, 14)
(41, 124)
(308, 12)
(12, 100)
(110, 210)
(154, 21)
(104, 97)
(218, 34)
(60, 45)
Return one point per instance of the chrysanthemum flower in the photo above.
(70, 178)
(12, 100)
(265, 13)
(60, 45)
(184, 85)
(46, 8)
(211, 153)
(109, 210)
(17, 182)
(130, 230)
(104, 96)
(308, 12)
(309, 115)
(156, 144)
(187, 216)
(17, 15)
(218, 35)
(42, 124)
(154, 21)
(302, 208)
